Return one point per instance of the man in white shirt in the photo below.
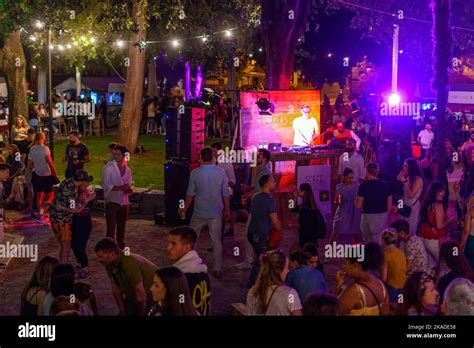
(426, 138)
(305, 127)
(116, 182)
(351, 159)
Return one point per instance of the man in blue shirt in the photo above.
(304, 278)
(208, 187)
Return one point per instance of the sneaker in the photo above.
(40, 220)
(243, 265)
(229, 233)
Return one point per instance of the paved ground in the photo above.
(143, 237)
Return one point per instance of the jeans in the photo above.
(260, 246)
(215, 230)
(372, 225)
(116, 217)
(432, 248)
(81, 230)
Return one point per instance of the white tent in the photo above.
(68, 85)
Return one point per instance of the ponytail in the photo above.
(271, 264)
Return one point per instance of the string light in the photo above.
(68, 46)
(92, 39)
(34, 66)
(204, 38)
(228, 33)
(175, 43)
(119, 43)
(39, 24)
(33, 38)
(61, 47)
(405, 17)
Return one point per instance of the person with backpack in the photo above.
(311, 224)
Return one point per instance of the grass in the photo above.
(147, 169)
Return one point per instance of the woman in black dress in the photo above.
(311, 224)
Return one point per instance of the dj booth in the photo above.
(285, 167)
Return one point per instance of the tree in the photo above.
(12, 56)
(442, 48)
(283, 23)
(376, 19)
(131, 111)
(13, 65)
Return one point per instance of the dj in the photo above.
(340, 134)
(305, 127)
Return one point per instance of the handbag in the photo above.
(274, 238)
(406, 210)
(321, 223)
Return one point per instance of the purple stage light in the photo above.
(394, 99)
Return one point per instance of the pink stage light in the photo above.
(394, 99)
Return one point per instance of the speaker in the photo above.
(176, 184)
(184, 133)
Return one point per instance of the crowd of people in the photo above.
(414, 262)
(418, 248)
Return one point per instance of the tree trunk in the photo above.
(442, 46)
(283, 23)
(13, 64)
(131, 111)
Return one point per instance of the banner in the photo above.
(319, 177)
(275, 125)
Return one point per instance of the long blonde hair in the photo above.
(24, 123)
(272, 263)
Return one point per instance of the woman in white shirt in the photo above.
(270, 295)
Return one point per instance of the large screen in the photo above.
(276, 125)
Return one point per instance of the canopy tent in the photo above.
(100, 84)
(461, 97)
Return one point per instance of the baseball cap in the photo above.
(82, 175)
